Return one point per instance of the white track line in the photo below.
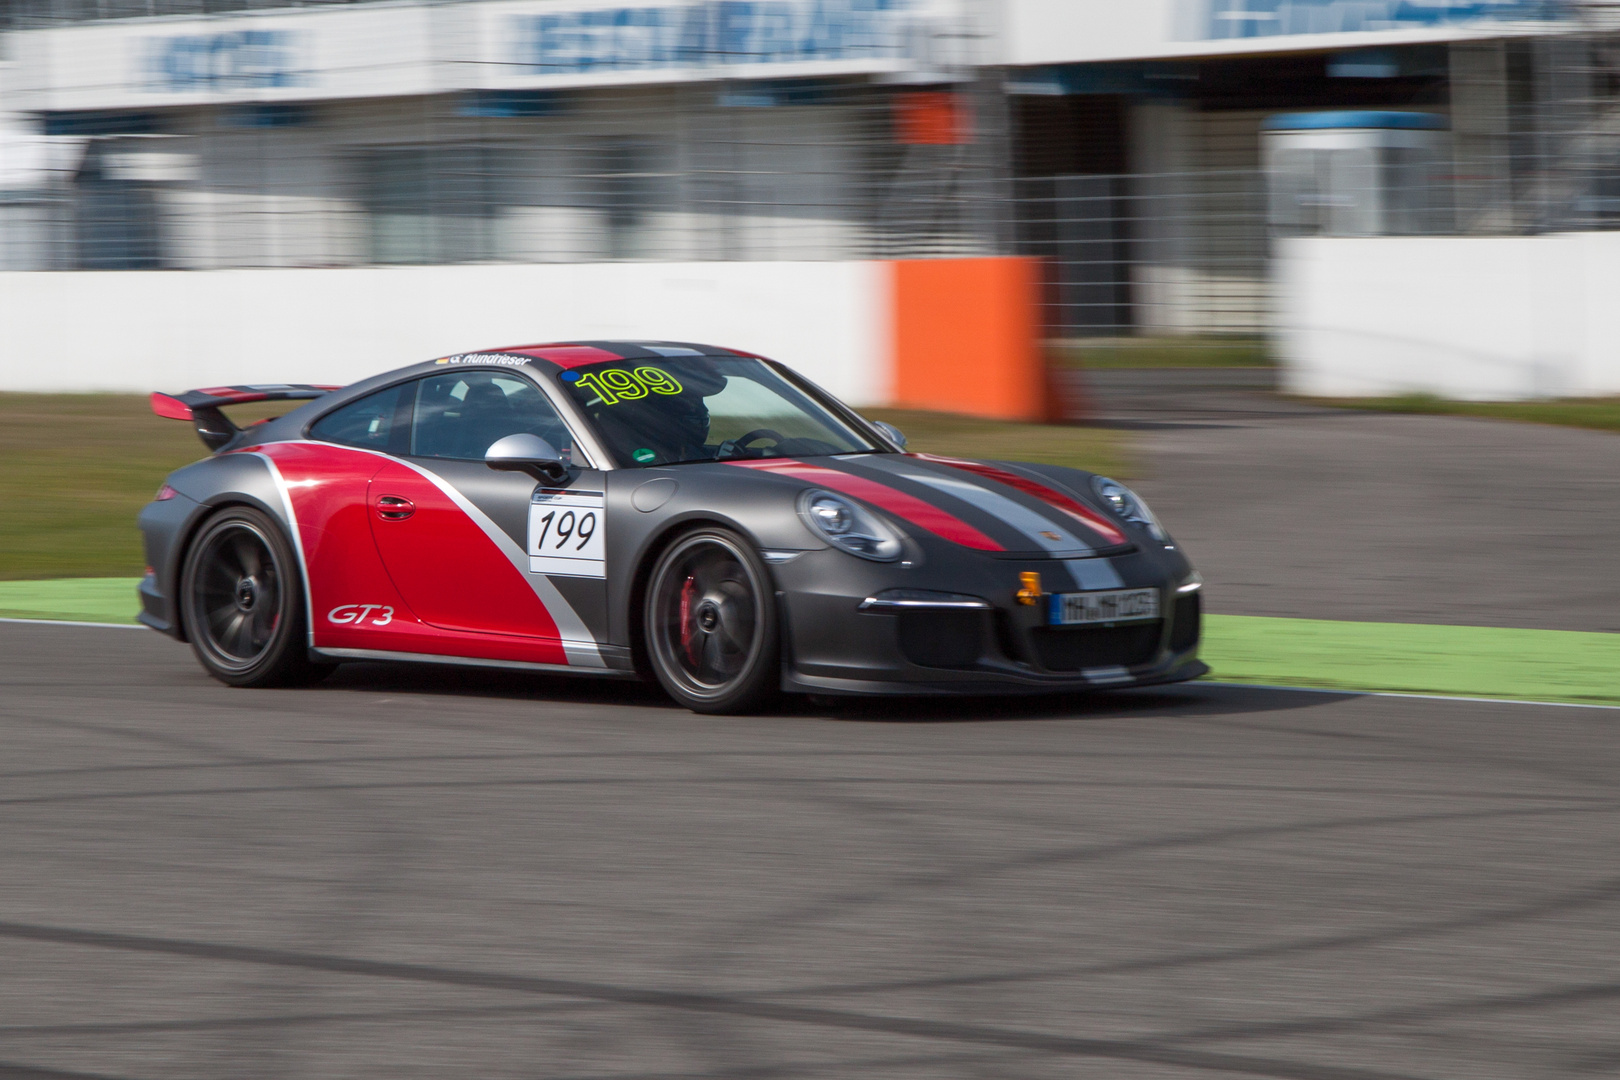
(65, 622)
(1400, 694)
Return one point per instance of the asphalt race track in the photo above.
(1331, 514)
(415, 872)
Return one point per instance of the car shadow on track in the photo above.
(1186, 699)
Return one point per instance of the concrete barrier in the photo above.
(1474, 318)
(956, 335)
(967, 337)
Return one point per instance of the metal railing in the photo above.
(671, 173)
(848, 167)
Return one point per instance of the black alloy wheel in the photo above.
(711, 624)
(242, 604)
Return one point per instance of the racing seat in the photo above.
(487, 415)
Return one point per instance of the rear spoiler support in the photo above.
(202, 407)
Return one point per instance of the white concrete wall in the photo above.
(165, 330)
(1478, 318)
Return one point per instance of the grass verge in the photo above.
(1098, 450)
(1467, 661)
(75, 469)
(104, 600)
(1161, 352)
(1601, 414)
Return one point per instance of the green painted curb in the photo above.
(1466, 661)
(105, 600)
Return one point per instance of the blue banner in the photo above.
(233, 60)
(1268, 18)
(706, 33)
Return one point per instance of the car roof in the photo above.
(557, 356)
(570, 354)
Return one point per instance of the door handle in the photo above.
(394, 507)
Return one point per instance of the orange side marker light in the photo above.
(1030, 594)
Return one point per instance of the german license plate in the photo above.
(1085, 608)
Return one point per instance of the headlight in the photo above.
(847, 525)
(1128, 505)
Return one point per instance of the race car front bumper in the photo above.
(983, 640)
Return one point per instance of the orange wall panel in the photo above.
(967, 337)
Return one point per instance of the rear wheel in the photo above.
(242, 602)
(711, 624)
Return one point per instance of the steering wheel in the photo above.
(758, 433)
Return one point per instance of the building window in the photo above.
(115, 218)
(630, 189)
(429, 204)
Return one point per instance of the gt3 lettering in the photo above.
(357, 614)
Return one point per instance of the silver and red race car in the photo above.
(696, 515)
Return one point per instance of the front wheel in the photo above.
(711, 624)
(242, 602)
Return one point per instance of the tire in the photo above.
(711, 624)
(242, 603)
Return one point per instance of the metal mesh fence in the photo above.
(30, 14)
(851, 166)
(1534, 140)
(1164, 253)
(684, 173)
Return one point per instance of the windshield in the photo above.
(711, 408)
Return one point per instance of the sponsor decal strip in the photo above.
(922, 514)
(1093, 520)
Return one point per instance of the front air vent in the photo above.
(1187, 616)
(1061, 649)
(942, 639)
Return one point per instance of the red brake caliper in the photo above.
(688, 638)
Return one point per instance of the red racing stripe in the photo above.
(1087, 516)
(922, 514)
(566, 356)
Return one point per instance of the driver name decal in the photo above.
(568, 533)
(484, 358)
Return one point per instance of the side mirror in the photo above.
(890, 432)
(530, 454)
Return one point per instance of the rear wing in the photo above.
(202, 407)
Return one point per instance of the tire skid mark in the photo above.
(1143, 1051)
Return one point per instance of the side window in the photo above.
(369, 423)
(460, 415)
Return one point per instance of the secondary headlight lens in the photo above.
(848, 526)
(1128, 505)
(832, 516)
